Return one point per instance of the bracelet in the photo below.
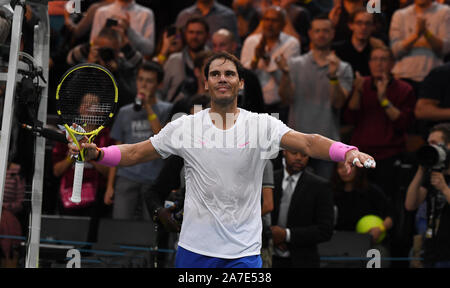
(334, 81)
(255, 59)
(69, 159)
(385, 103)
(161, 57)
(152, 117)
(428, 34)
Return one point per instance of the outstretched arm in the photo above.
(129, 154)
(317, 146)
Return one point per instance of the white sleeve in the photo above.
(271, 139)
(169, 140)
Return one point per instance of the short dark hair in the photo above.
(352, 16)
(225, 56)
(444, 128)
(385, 49)
(109, 33)
(322, 16)
(197, 19)
(153, 67)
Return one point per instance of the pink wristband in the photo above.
(338, 151)
(111, 156)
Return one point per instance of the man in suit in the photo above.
(303, 213)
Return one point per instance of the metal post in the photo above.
(41, 55)
(8, 105)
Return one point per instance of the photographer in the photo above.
(430, 184)
(112, 50)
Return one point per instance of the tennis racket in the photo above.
(86, 99)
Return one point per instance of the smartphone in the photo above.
(110, 22)
(172, 30)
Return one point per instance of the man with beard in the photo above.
(316, 86)
(179, 68)
(225, 150)
(260, 53)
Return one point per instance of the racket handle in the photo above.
(77, 182)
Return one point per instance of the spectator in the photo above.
(356, 197)
(316, 86)
(215, 14)
(303, 213)
(137, 23)
(432, 187)
(288, 27)
(13, 196)
(133, 124)
(171, 42)
(420, 37)
(340, 15)
(300, 19)
(107, 50)
(82, 29)
(251, 97)
(247, 17)
(180, 66)
(381, 108)
(356, 49)
(433, 105)
(266, 209)
(260, 52)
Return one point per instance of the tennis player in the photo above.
(225, 149)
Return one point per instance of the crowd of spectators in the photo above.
(378, 81)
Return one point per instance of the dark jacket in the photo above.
(310, 216)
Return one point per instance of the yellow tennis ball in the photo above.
(368, 222)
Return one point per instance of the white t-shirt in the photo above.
(224, 170)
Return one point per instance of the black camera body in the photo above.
(434, 157)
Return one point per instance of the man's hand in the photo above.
(421, 25)
(438, 181)
(335, 13)
(382, 85)
(109, 195)
(358, 159)
(260, 50)
(278, 235)
(375, 232)
(166, 219)
(90, 149)
(333, 64)
(282, 63)
(358, 83)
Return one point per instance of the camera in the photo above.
(106, 54)
(110, 22)
(435, 157)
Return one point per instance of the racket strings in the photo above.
(87, 97)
